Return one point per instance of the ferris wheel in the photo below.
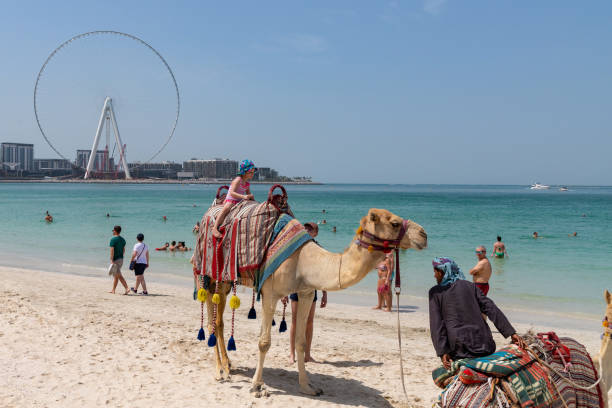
(102, 162)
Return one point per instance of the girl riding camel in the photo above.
(239, 190)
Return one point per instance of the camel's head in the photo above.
(387, 226)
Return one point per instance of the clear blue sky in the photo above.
(423, 91)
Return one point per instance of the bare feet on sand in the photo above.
(376, 307)
(309, 359)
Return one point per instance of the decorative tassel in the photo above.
(252, 313)
(212, 340)
(273, 322)
(283, 325)
(201, 334)
(231, 344)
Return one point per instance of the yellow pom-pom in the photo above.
(216, 299)
(605, 323)
(370, 248)
(235, 302)
(359, 230)
(202, 295)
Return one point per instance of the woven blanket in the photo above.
(527, 379)
(239, 253)
(581, 371)
(288, 236)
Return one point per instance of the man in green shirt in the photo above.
(117, 249)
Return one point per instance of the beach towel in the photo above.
(239, 253)
(472, 380)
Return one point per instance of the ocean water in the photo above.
(557, 273)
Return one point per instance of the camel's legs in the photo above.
(304, 305)
(269, 302)
(209, 308)
(219, 332)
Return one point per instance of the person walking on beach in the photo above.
(499, 249)
(117, 249)
(313, 230)
(140, 257)
(456, 326)
(481, 273)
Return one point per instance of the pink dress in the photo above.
(242, 188)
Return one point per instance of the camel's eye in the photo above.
(395, 224)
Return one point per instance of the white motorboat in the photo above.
(563, 188)
(538, 186)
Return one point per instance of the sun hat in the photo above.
(245, 166)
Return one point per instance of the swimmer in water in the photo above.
(48, 217)
(334, 229)
(499, 249)
(535, 235)
(573, 235)
(107, 215)
(164, 218)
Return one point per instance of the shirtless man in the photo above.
(481, 273)
(499, 249)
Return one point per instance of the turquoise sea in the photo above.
(557, 273)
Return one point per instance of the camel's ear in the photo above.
(374, 217)
(608, 297)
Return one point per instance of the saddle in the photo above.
(247, 229)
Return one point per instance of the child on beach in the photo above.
(239, 190)
(385, 273)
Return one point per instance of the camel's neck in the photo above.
(329, 271)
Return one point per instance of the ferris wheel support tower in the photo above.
(107, 112)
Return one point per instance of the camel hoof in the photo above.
(311, 391)
(256, 388)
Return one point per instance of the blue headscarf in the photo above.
(452, 272)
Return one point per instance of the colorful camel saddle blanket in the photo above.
(288, 236)
(516, 375)
(570, 361)
(512, 377)
(247, 229)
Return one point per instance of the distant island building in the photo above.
(53, 167)
(167, 170)
(100, 162)
(218, 169)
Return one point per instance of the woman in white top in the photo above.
(140, 257)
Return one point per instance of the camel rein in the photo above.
(386, 247)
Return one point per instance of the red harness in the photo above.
(387, 246)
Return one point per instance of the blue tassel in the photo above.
(231, 344)
(252, 313)
(283, 326)
(273, 322)
(201, 334)
(212, 340)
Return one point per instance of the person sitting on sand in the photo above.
(163, 247)
(239, 190)
(313, 230)
(499, 249)
(383, 288)
(481, 273)
(48, 217)
(455, 321)
(172, 246)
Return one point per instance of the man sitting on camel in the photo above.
(457, 327)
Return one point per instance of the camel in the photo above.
(313, 268)
(605, 352)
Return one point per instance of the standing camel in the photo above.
(312, 267)
(307, 269)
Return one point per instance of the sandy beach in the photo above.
(67, 342)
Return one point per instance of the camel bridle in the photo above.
(385, 245)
